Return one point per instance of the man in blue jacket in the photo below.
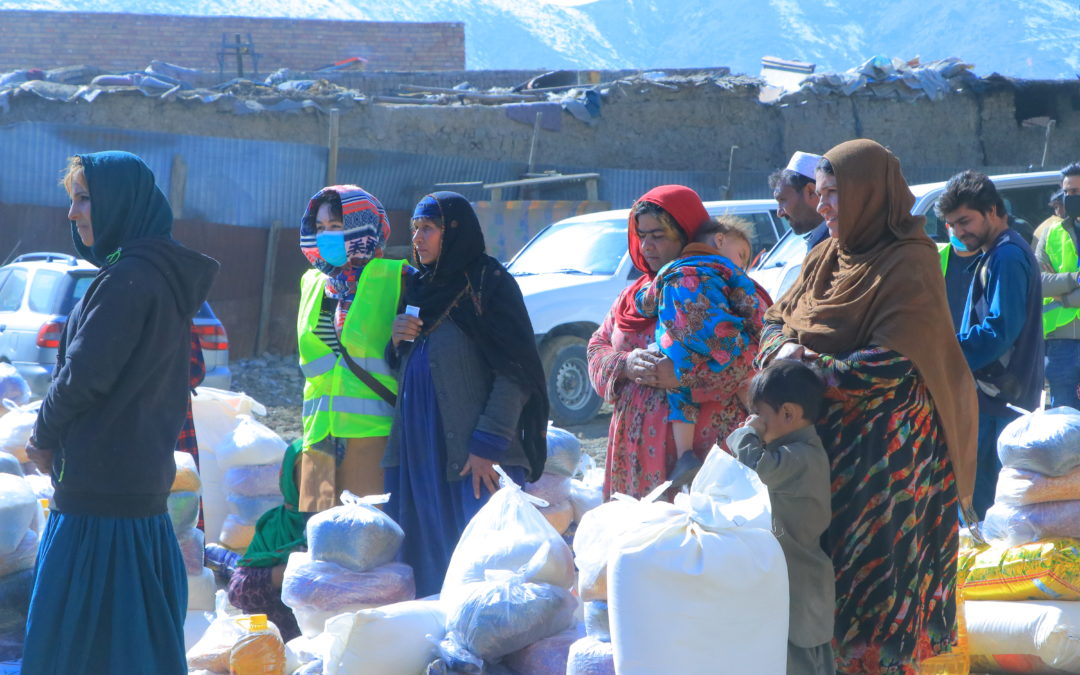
(1001, 331)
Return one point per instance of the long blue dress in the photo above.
(431, 510)
(110, 596)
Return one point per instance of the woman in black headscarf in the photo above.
(471, 391)
(110, 592)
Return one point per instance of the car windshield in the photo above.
(790, 247)
(574, 248)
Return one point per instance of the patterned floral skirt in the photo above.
(893, 537)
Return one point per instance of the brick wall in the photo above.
(30, 39)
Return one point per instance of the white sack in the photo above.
(202, 589)
(183, 510)
(563, 452)
(215, 412)
(1045, 441)
(355, 535)
(1049, 630)
(193, 547)
(250, 442)
(397, 639)
(254, 480)
(18, 508)
(711, 582)
(250, 509)
(597, 532)
(547, 656)
(16, 427)
(8, 464)
(195, 625)
(24, 555)
(505, 534)
(589, 656)
(318, 590)
(187, 474)
(236, 534)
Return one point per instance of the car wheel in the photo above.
(573, 400)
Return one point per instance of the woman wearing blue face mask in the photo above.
(347, 308)
(956, 267)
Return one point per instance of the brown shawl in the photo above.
(879, 283)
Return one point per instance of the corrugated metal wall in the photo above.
(250, 183)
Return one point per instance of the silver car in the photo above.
(38, 290)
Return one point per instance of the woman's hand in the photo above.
(796, 352)
(791, 350)
(651, 369)
(406, 328)
(41, 458)
(482, 470)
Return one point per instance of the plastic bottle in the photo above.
(260, 651)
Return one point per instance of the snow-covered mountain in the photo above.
(1021, 38)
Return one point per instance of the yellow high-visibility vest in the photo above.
(336, 402)
(1062, 253)
(943, 251)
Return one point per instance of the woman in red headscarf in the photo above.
(641, 450)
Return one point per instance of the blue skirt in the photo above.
(110, 596)
(430, 509)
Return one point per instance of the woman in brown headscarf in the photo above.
(869, 309)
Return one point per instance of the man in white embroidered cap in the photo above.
(793, 188)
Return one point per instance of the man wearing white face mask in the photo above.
(956, 267)
(347, 307)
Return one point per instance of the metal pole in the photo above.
(239, 57)
(178, 185)
(730, 164)
(1046, 144)
(532, 145)
(262, 334)
(332, 143)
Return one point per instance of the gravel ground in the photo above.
(277, 383)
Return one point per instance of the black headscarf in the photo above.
(489, 309)
(125, 204)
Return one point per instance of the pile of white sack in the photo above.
(666, 587)
(16, 426)
(250, 459)
(183, 502)
(349, 564)
(1028, 617)
(239, 463)
(21, 524)
(568, 498)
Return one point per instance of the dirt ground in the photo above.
(277, 383)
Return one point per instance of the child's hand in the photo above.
(755, 423)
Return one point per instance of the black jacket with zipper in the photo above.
(118, 398)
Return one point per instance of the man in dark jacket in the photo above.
(1001, 332)
(110, 590)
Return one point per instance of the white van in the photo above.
(572, 271)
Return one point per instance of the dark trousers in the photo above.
(986, 473)
(1063, 372)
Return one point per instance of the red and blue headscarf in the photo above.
(366, 229)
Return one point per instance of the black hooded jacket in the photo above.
(119, 396)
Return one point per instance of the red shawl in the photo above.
(689, 213)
